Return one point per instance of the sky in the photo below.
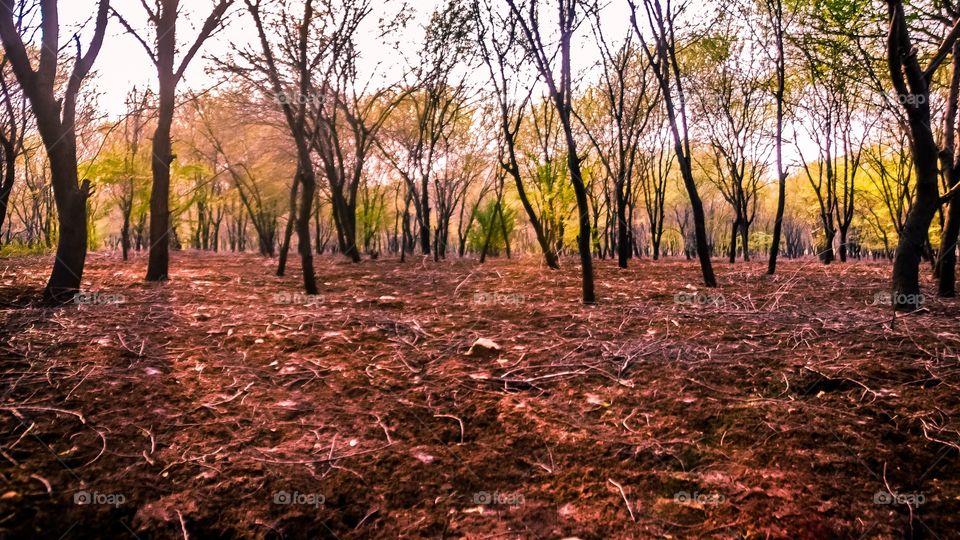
(123, 62)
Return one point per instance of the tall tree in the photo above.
(911, 81)
(628, 99)
(498, 40)
(946, 266)
(773, 9)
(731, 103)
(666, 67)
(654, 164)
(163, 17)
(293, 97)
(560, 88)
(348, 115)
(435, 103)
(56, 119)
(14, 120)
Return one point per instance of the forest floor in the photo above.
(225, 404)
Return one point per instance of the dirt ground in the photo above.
(225, 404)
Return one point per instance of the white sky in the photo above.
(123, 63)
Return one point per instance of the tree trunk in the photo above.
(288, 232)
(733, 240)
(159, 259)
(947, 262)
(345, 219)
(309, 181)
(623, 231)
(503, 228)
(583, 237)
(826, 254)
(425, 218)
(781, 173)
(745, 237)
(9, 177)
(843, 244)
(125, 234)
(71, 202)
(487, 238)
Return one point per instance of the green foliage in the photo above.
(487, 216)
(19, 249)
(372, 216)
(557, 196)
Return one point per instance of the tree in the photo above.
(232, 144)
(119, 167)
(946, 265)
(730, 98)
(911, 81)
(773, 9)
(435, 103)
(561, 96)
(14, 124)
(498, 48)
(56, 117)
(294, 107)
(666, 67)
(654, 164)
(163, 18)
(628, 100)
(125, 193)
(347, 115)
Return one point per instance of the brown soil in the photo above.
(776, 407)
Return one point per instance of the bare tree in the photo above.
(730, 98)
(773, 9)
(498, 43)
(911, 81)
(946, 264)
(163, 18)
(436, 102)
(56, 116)
(125, 192)
(347, 115)
(666, 68)
(300, 58)
(560, 87)
(654, 164)
(14, 123)
(628, 98)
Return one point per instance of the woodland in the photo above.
(479, 269)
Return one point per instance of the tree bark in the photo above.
(733, 240)
(288, 232)
(9, 176)
(56, 118)
(775, 9)
(910, 81)
(623, 228)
